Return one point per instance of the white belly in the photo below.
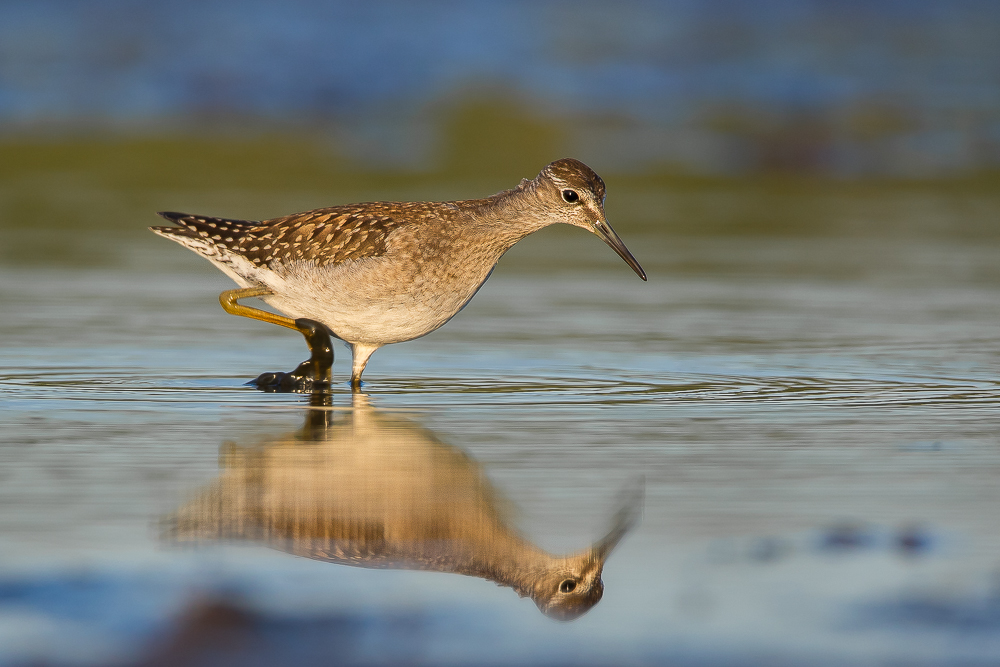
(362, 303)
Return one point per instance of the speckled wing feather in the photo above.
(325, 236)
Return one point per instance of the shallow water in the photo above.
(813, 417)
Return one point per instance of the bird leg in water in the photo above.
(310, 375)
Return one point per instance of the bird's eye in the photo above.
(570, 196)
(568, 585)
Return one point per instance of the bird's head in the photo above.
(570, 587)
(575, 194)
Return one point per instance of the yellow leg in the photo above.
(315, 372)
(229, 300)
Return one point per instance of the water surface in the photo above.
(812, 410)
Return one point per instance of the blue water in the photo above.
(814, 419)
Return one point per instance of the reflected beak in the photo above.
(631, 500)
(608, 235)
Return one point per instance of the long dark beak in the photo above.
(608, 235)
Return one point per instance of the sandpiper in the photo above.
(385, 272)
(371, 489)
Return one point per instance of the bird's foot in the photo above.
(312, 375)
(301, 380)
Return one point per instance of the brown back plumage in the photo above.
(342, 233)
(325, 236)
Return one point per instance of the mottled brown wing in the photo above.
(325, 236)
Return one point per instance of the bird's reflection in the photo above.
(376, 490)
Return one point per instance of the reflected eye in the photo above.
(568, 585)
(572, 197)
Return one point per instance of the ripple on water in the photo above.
(113, 388)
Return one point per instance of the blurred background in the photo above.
(454, 98)
(719, 88)
(807, 382)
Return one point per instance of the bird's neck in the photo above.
(509, 216)
(513, 563)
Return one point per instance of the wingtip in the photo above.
(172, 216)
